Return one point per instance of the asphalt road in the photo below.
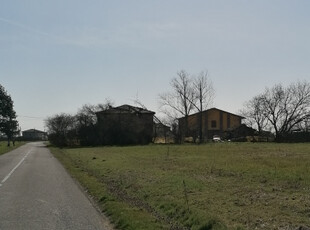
(36, 193)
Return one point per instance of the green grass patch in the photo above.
(212, 186)
(4, 146)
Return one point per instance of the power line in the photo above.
(31, 117)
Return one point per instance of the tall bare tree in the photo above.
(285, 108)
(178, 102)
(189, 94)
(204, 91)
(255, 114)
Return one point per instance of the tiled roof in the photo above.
(33, 131)
(127, 109)
(215, 109)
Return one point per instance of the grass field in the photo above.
(212, 186)
(4, 148)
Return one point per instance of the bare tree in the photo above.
(87, 114)
(61, 129)
(189, 94)
(286, 108)
(204, 92)
(179, 102)
(255, 114)
(86, 122)
(304, 126)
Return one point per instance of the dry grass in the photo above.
(213, 186)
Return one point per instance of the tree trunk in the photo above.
(200, 128)
(200, 115)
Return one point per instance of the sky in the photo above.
(56, 56)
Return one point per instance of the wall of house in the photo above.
(34, 136)
(126, 128)
(223, 120)
(214, 122)
(213, 117)
(235, 121)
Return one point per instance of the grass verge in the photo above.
(213, 186)
(4, 146)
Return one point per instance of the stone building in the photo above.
(125, 125)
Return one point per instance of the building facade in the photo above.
(125, 125)
(213, 121)
(34, 135)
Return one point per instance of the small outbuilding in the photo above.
(162, 134)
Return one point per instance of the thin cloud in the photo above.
(24, 27)
(132, 34)
(38, 32)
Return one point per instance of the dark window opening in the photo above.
(213, 124)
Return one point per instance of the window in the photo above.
(213, 124)
(228, 121)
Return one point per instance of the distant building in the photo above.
(214, 122)
(125, 125)
(162, 134)
(34, 135)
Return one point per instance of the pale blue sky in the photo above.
(57, 55)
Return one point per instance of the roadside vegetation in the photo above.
(8, 123)
(212, 186)
(4, 148)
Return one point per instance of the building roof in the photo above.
(205, 111)
(33, 131)
(126, 109)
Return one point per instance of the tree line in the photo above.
(79, 129)
(282, 110)
(189, 93)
